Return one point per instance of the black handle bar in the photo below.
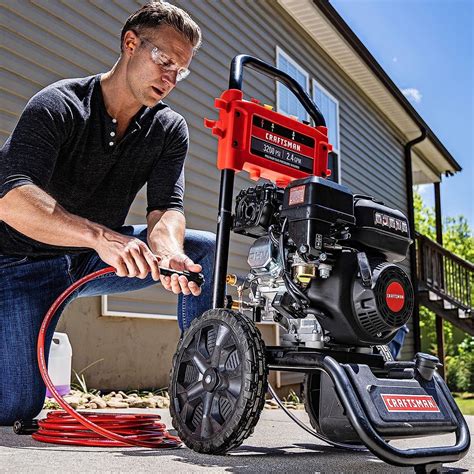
(237, 73)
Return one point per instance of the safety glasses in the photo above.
(164, 61)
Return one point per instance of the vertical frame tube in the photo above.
(224, 224)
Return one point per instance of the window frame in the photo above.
(106, 312)
(317, 84)
(280, 52)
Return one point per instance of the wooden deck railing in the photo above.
(445, 274)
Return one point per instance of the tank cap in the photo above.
(426, 364)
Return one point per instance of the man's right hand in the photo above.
(128, 255)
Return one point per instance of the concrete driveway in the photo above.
(277, 445)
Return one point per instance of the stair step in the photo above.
(448, 305)
(433, 296)
(464, 314)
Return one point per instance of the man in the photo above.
(69, 172)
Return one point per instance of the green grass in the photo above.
(465, 405)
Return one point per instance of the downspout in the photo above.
(411, 221)
(439, 239)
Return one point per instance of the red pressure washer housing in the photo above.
(324, 267)
(250, 134)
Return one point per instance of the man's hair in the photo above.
(157, 13)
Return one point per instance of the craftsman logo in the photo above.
(282, 141)
(296, 195)
(395, 296)
(282, 145)
(409, 403)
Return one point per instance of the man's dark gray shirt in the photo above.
(65, 143)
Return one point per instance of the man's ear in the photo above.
(130, 43)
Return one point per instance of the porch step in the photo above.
(433, 296)
(445, 283)
(448, 305)
(463, 319)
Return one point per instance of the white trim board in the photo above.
(315, 83)
(280, 52)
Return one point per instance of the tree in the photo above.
(457, 237)
(425, 220)
(459, 347)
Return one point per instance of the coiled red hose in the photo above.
(72, 428)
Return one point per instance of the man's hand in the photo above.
(128, 255)
(180, 284)
(166, 237)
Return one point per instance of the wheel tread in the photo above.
(253, 399)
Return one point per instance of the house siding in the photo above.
(46, 40)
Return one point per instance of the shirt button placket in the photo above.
(112, 134)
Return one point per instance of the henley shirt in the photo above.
(65, 142)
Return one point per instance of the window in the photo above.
(287, 102)
(329, 107)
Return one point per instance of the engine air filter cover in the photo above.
(313, 206)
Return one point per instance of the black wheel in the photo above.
(325, 411)
(218, 382)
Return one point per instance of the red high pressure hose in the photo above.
(60, 428)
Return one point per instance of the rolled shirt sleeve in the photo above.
(165, 187)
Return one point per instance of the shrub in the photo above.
(460, 368)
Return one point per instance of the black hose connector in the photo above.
(25, 427)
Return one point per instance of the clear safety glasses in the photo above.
(165, 62)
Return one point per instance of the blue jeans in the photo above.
(396, 344)
(28, 287)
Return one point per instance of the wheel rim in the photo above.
(209, 380)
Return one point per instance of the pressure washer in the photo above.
(325, 266)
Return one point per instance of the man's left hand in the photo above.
(180, 284)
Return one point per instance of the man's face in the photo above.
(148, 77)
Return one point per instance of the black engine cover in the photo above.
(357, 315)
(388, 305)
(313, 207)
